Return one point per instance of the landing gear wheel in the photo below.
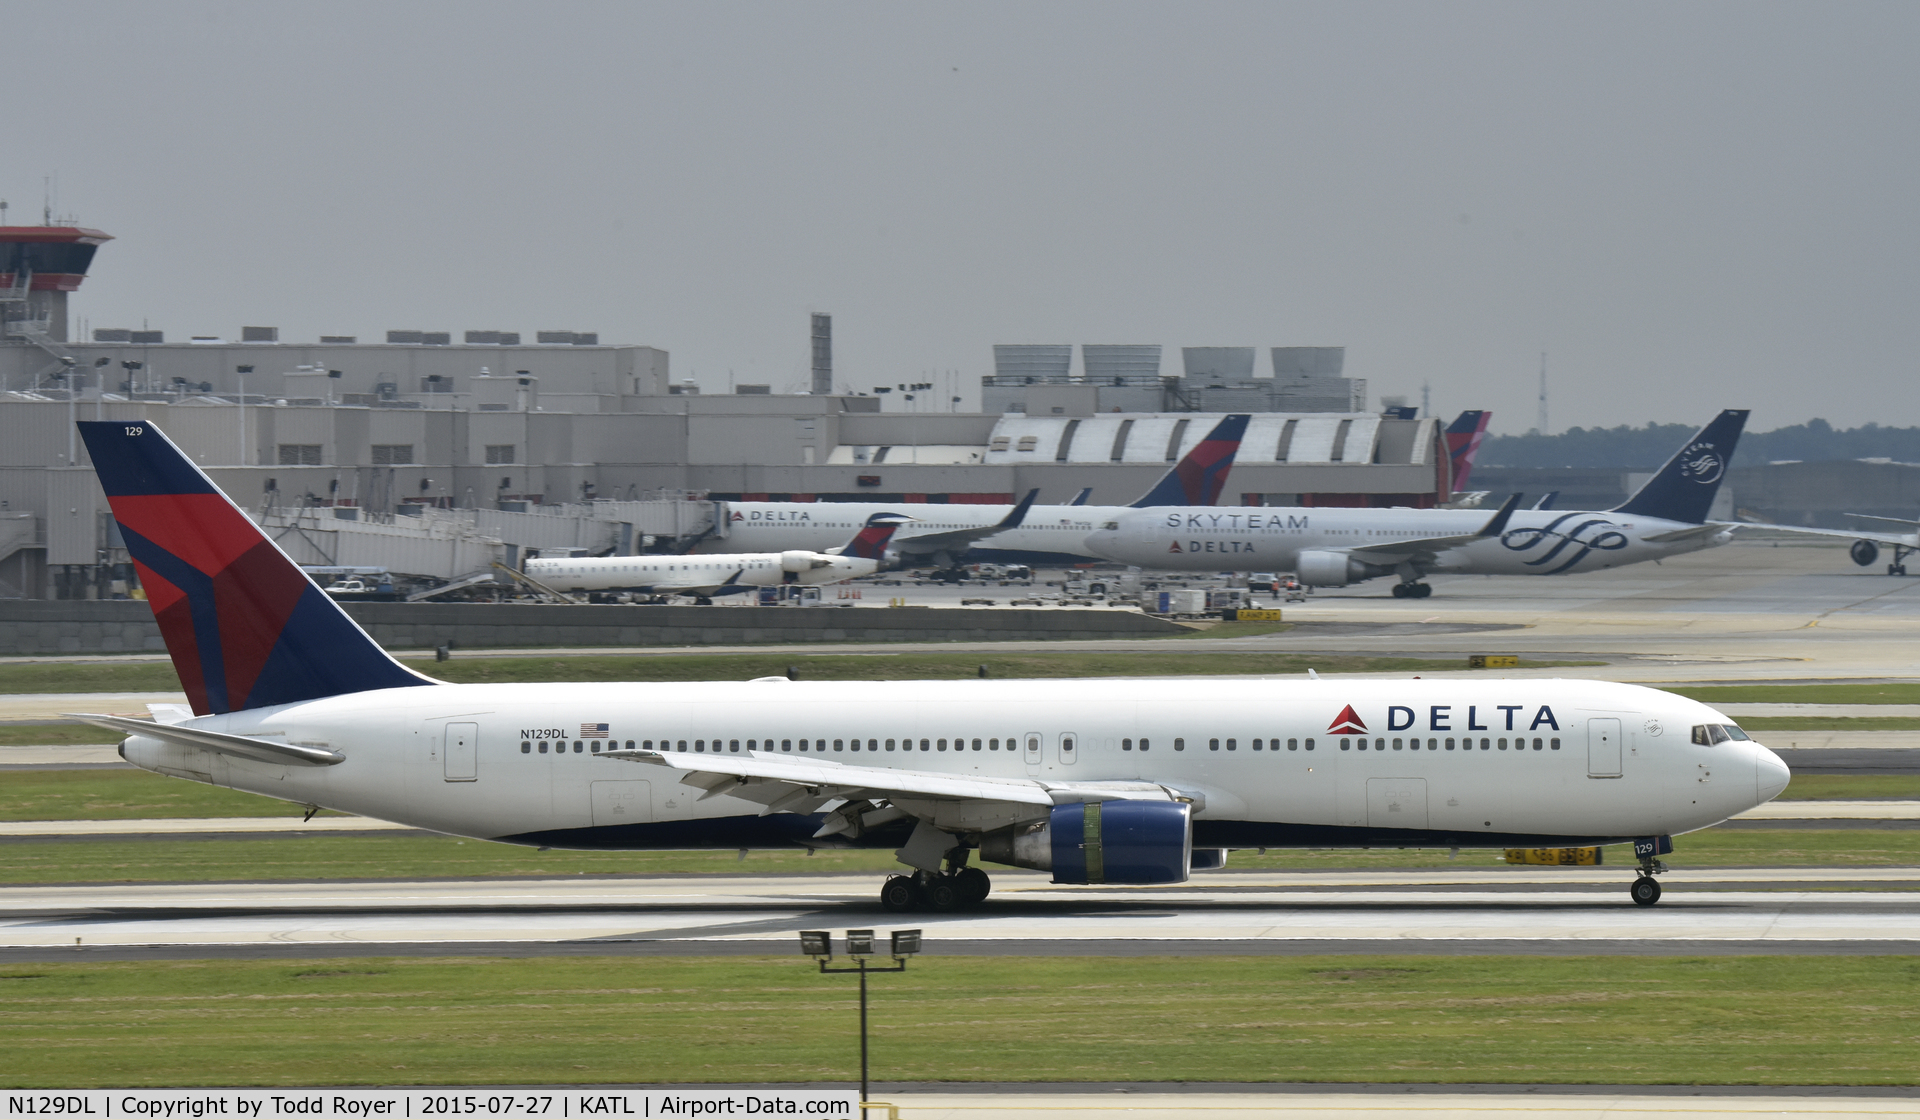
(1400, 590)
(702, 601)
(1896, 569)
(940, 895)
(1420, 590)
(897, 895)
(972, 885)
(1645, 890)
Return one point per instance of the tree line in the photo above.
(1630, 448)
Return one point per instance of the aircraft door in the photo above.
(1603, 748)
(1032, 752)
(461, 752)
(1069, 748)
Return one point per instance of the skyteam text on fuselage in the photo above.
(1333, 547)
(1097, 781)
(947, 535)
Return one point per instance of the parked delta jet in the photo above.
(1464, 437)
(948, 535)
(1098, 781)
(1331, 547)
(727, 574)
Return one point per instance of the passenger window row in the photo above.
(1519, 744)
(1257, 744)
(718, 746)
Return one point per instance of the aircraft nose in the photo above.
(1770, 774)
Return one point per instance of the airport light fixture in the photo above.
(818, 944)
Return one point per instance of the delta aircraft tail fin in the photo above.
(1684, 489)
(245, 626)
(1464, 437)
(870, 543)
(1200, 475)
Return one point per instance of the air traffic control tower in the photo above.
(39, 265)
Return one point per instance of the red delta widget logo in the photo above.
(1443, 717)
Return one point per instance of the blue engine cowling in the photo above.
(1102, 842)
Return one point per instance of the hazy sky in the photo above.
(1689, 206)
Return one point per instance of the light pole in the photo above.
(818, 944)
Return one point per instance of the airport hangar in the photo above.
(564, 441)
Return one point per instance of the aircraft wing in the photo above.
(781, 782)
(1430, 546)
(1691, 532)
(1904, 540)
(955, 540)
(240, 746)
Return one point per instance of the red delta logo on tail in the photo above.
(1464, 437)
(244, 625)
(1348, 722)
(870, 543)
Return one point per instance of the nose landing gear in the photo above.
(1646, 889)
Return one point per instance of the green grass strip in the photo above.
(333, 856)
(1905, 692)
(1799, 1020)
(1831, 723)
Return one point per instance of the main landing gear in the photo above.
(937, 891)
(1412, 590)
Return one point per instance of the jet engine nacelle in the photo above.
(800, 560)
(1864, 552)
(1101, 842)
(1320, 568)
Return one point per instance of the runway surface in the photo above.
(1493, 910)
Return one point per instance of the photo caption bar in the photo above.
(410, 1104)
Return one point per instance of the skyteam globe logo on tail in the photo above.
(1702, 463)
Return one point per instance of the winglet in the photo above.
(1019, 513)
(1497, 524)
(1080, 499)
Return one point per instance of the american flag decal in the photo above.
(593, 730)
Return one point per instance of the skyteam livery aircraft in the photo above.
(705, 577)
(1331, 547)
(947, 535)
(1098, 781)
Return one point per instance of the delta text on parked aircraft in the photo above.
(948, 535)
(1331, 547)
(706, 577)
(1098, 781)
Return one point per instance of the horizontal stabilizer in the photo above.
(240, 746)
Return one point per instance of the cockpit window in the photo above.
(1707, 734)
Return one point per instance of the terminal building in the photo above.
(507, 440)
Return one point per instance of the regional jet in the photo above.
(1095, 781)
(705, 577)
(947, 535)
(1334, 547)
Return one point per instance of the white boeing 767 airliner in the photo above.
(1099, 781)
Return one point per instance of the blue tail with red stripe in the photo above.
(245, 626)
(870, 543)
(1464, 437)
(1200, 475)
